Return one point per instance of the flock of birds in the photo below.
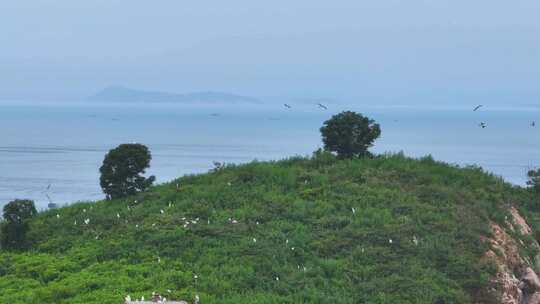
(187, 223)
(320, 105)
(483, 124)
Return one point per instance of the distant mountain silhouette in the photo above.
(123, 94)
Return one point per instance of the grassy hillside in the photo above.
(302, 230)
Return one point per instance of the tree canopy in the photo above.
(14, 228)
(122, 169)
(349, 134)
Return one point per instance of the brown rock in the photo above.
(532, 283)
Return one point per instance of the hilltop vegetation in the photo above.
(387, 229)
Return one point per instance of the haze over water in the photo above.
(64, 144)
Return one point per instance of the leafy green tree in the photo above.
(534, 180)
(15, 225)
(122, 169)
(349, 134)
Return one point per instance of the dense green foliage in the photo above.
(349, 134)
(15, 225)
(122, 168)
(386, 229)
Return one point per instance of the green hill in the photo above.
(302, 230)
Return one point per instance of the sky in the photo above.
(406, 51)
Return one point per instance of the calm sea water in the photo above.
(62, 145)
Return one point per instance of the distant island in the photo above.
(124, 94)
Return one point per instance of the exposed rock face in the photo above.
(516, 280)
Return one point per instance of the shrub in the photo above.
(15, 225)
(349, 134)
(122, 168)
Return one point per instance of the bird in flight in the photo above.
(533, 124)
(483, 125)
(477, 107)
(287, 106)
(322, 106)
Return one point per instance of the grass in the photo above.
(414, 237)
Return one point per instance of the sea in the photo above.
(51, 152)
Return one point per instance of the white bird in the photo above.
(254, 240)
(75, 223)
(136, 225)
(257, 223)
(154, 225)
(57, 215)
(87, 221)
(195, 276)
(169, 291)
(277, 278)
(196, 299)
(128, 298)
(170, 204)
(158, 259)
(84, 210)
(353, 210)
(287, 241)
(118, 215)
(415, 240)
(142, 298)
(292, 248)
(161, 211)
(390, 241)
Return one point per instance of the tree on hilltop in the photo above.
(122, 169)
(349, 134)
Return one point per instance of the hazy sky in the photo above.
(403, 51)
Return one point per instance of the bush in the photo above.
(122, 168)
(15, 225)
(349, 134)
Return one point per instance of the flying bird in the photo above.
(477, 107)
(287, 106)
(483, 125)
(533, 124)
(322, 106)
